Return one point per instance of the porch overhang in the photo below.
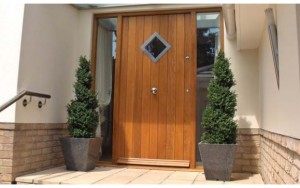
(245, 23)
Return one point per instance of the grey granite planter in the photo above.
(217, 160)
(80, 154)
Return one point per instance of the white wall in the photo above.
(280, 108)
(11, 21)
(85, 31)
(49, 57)
(244, 65)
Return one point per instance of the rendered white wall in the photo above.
(244, 66)
(11, 21)
(49, 57)
(85, 30)
(280, 108)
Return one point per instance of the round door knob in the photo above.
(154, 91)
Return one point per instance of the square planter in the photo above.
(217, 160)
(80, 154)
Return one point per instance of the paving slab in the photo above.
(246, 181)
(30, 177)
(181, 175)
(93, 176)
(174, 181)
(256, 179)
(57, 174)
(59, 179)
(200, 177)
(152, 177)
(240, 176)
(208, 182)
(114, 175)
(123, 177)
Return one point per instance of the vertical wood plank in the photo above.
(171, 100)
(163, 92)
(179, 87)
(187, 129)
(117, 91)
(131, 84)
(94, 52)
(138, 89)
(123, 88)
(193, 83)
(145, 127)
(154, 98)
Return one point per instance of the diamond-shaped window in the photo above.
(155, 47)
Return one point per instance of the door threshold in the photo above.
(111, 164)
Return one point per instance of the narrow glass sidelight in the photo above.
(155, 47)
(208, 45)
(107, 36)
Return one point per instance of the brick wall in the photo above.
(280, 158)
(27, 148)
(247, 157)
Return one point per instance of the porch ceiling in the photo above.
(96, 6)
(250, 20)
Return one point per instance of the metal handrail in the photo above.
(20, 95)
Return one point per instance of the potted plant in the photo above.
(81, 149)
(218, 142)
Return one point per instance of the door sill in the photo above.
(111, 164)
(154, 162)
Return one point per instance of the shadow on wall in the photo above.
(246, 122)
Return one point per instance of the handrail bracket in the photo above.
(25, 102)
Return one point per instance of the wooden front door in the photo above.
(155, 129)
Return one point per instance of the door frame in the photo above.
(119, 15)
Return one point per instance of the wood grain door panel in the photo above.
(161, 127)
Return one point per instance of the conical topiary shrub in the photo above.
(218, 142)
(219, 126)
(82, 149)
(83, 118)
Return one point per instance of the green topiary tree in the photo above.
(82, 115)
(218, 123)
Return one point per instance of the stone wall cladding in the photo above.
(27, 148)
(247, 157)
(280, 158)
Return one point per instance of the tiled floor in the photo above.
(113, 175)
